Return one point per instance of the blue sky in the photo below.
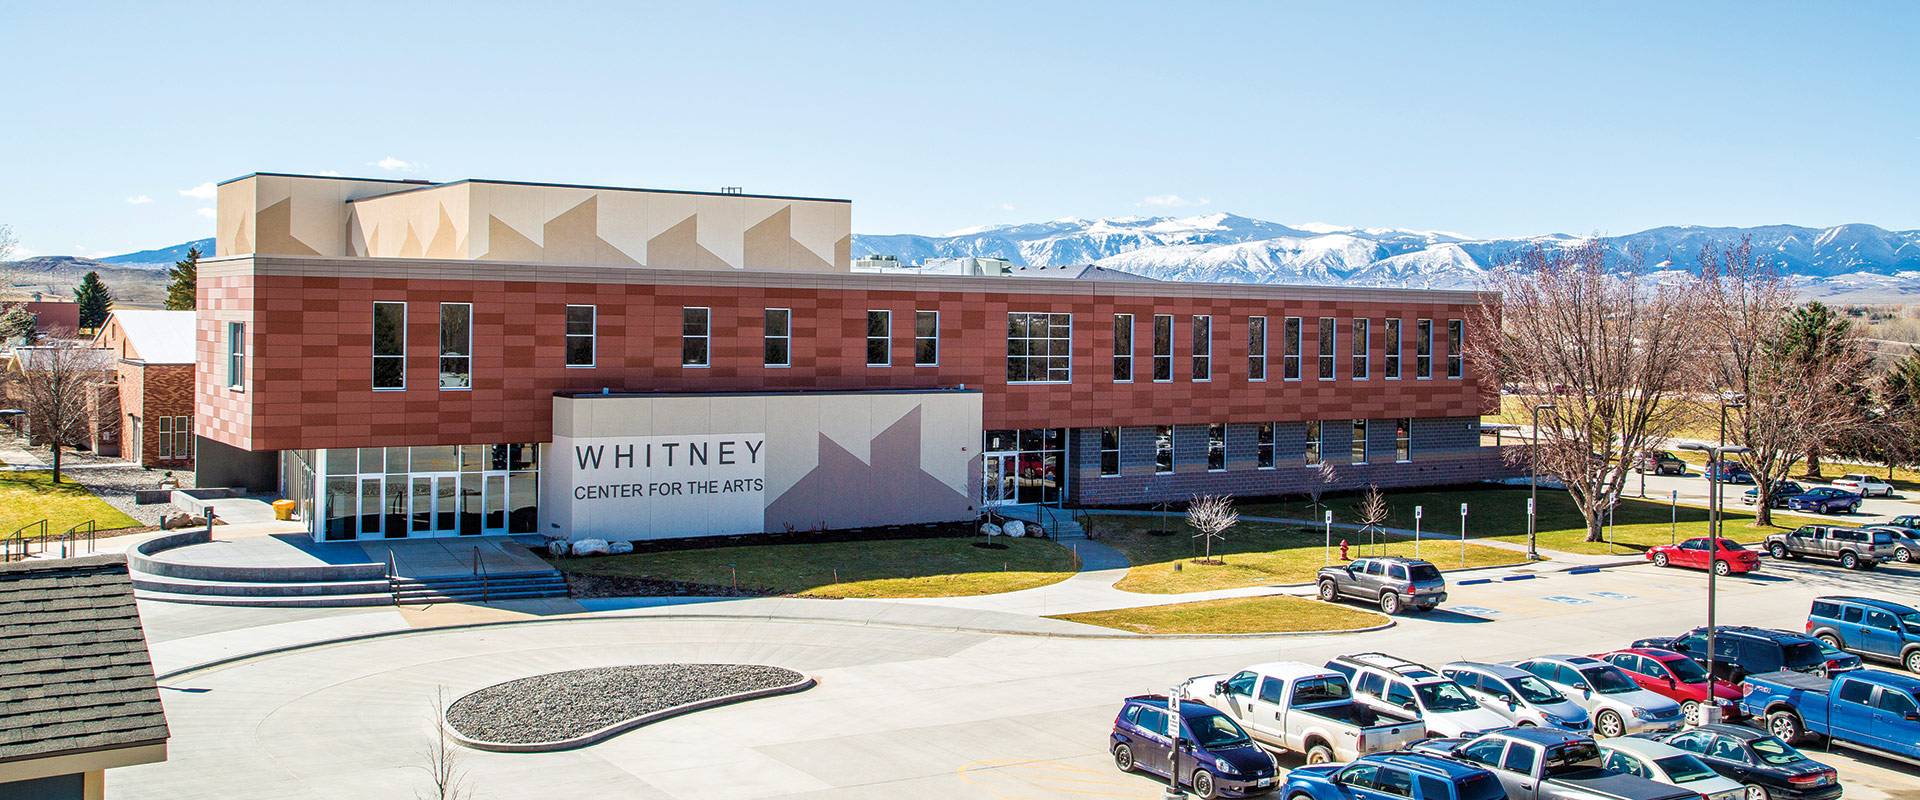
(1487, 119)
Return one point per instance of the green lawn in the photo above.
(1254, 554)
(946, 567)
(1236, 615)
(31, 495)
(1499, 512)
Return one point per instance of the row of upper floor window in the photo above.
(1039, 345)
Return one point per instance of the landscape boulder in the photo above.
(558, 547)
(619, 548)
(990, 529)
(590, 547)
(1015, 528)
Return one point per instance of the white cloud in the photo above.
(392, 164)
(331, 173)
(205, 212)
(139, 200)
(204, 191)
(1006, 206)
(1171, 201)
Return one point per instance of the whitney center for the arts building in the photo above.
(411, 359)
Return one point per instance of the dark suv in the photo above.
(1743, 650)
(1660, 462)
(1394, 583)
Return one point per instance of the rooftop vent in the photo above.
(730, 190)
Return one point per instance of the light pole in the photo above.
(1533, 488)
(1718, 455)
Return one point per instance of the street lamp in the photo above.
(1533, 487)
(1716, 466)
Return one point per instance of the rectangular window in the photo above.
(456, 345)
(582, 322)
(1109, 451)
(1163, 449)
(164, 426)
(1290, 349)
(1216, 447)
(1162, 348)
(1403, 440)
(1327, 336)
(926, 338)
(1359, 441)
(182, 437)
(1362, 339)
(389, 346)
(236, 355)
(1123, 348)
(1264, 451)
(1392, 349)
(1456, 342)
(1202, 348)
(776, 331)
(1313, 443)
(1039, 347)
(1256, 348)
(1423, 349)
(879, 338)
(696, 333)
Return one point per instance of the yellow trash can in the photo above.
(283, 509)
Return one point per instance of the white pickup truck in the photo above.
(1301, 708)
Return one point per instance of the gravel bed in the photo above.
(564, 705)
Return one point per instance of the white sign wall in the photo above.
(647, 487)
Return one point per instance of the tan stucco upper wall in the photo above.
(289, 215)
(424, 223)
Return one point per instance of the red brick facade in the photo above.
(143, 394)
(309, 340)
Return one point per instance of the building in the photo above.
(490, 357)
(958, 265)
(147, 417)
(80, 696)
(54, 318)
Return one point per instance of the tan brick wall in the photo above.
(167, 392)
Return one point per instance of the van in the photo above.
(1864, 626)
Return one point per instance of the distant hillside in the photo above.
(56, 276)
(163, 257)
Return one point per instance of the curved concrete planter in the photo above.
(144, 557)
(623, 726)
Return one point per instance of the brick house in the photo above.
(146, 416)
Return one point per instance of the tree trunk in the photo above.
(1595, 531)
(56, 461)
(1762, 515)
(1813, 463)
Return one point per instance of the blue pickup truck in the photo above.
(1869, 708)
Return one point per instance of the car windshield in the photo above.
(1775, 752)
(1608, 680)
(1686, 670)
(1685, 768)
(1805, 655)
(1534, 690)
(1911, 618)
(1444, 696)
(1215, 730)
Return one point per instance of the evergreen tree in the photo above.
(19, 325)
(181, 281)
(94, 299)
(1814, 334)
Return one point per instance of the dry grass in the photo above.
(1274, 614)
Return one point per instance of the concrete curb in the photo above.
(595, 737)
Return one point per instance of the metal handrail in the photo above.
(18, 547)
(68, 536)
(480, 569)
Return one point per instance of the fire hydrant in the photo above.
(1343, 550)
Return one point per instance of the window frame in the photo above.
(1292, 348)
(918, 316)
(885, 339)
(1166, 357)
(1326, 360)
(1314, 451)
(1266, 438)
(1120, 357)
(164, 430)
(1391, 348)
(1172, 432)
(183, 437)
(1105, 450)
(1359, 452)
(1423, 341)
(237, 356)
(1202, 349)
(1257, 349)
(704, 337)
(1456, 349)
(373, 378)
(1362, 342)
(785, 337)
(1221, 428)
(442, 354)
(1027, 328)
(592, 336)
(1403, 444)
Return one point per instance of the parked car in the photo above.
(1664, 763)
(1824, 500)
(1781, 491)
(1854, 548)
(1618, 705)
(1868, 627)
(1868, 708)
(1770, 769)
(1906, 542)
(1673, 676)
(1393, 583)
(1660, 462)
(1516, 694)
(1729, 472)
(1549, 764)
(1409, 775)
(1215, 757)
(1864, 485)
(1397, 686)
(1696, 552)
(1742, 650)
(1301, 708)
(1906, 521)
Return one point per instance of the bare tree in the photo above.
(1371, 511)
(1211, 515)
(55, 383)
(443, 757)
(1791, 402)
(1609, 349)
(1324, 479)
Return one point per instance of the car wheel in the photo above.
(1722, 568)
(1831, 640)
(1660, 560)
(1608, 724)
(1849, 560)
(1784, 725)
(1389, 603)
(1319, 754)
(1525, 723)
(1912, 660)
(1777, 550)
(1328, 591)
(1123, 757)
(1690, 711)
(1755, 791)
(1903, 555)
(1203, 785)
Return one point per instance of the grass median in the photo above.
(937, 567)
(28, 496)
(1255, 554)
(1273, 614)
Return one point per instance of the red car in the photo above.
(1674, 676)
(1693, 553)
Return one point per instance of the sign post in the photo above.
(1416, 531)
(1173, 750)
(1463, 534)
(1673, 524)
(1327, 550)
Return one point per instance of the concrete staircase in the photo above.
(1059, 523)
(478, 589)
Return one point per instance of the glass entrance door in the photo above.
(422, 506)
(998, 485)
(371, 517)
(494, 518)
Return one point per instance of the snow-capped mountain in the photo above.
(1845, 259)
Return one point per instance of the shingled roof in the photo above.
(77, 674)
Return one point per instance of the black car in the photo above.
(1781, 491)
(1744, 650)
(1770, 769)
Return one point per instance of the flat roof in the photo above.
(615, 394)
(421, 183)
